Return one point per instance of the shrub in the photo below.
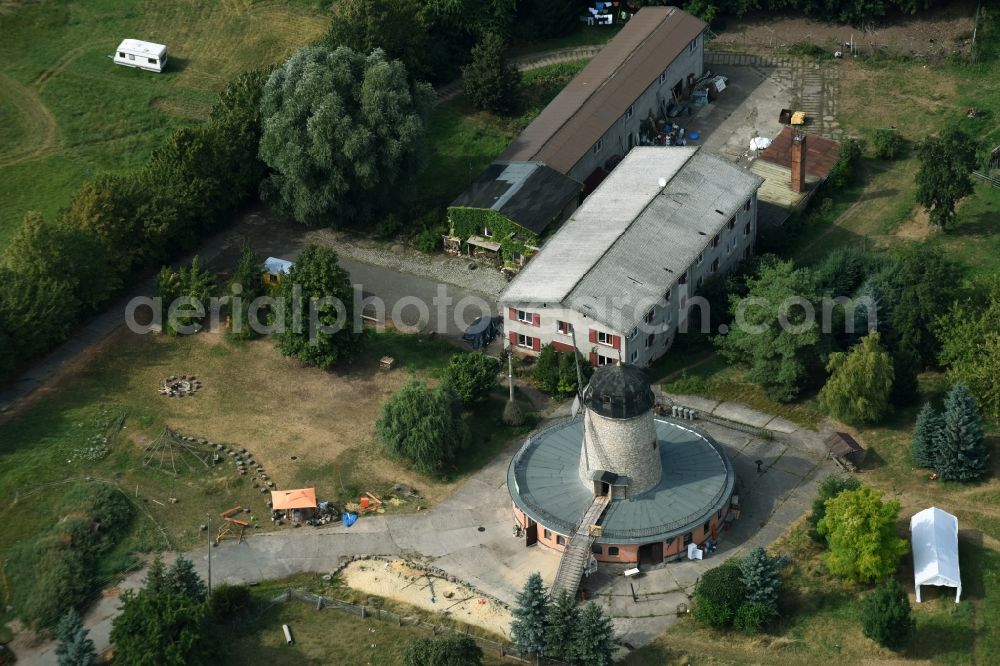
(473, 375)
(886, 143)
(752, 617)
(829, 488)
(228, 600)
(555, 371)
(886, 616)
(860, 530)
(845, 171)
(719, 593)
(62, 579)
(422, 426)
(451, 650)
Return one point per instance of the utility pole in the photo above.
(209, 554)
(510, 371)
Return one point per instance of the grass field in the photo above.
(323, 637)
(66, 112)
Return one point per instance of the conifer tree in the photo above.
(75, 648)
(560, 634)
(594, 644)
(760, 576)
(886, 616)
(962, 454)
(530, 615)
(923, 448)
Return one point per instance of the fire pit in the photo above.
(179, 387)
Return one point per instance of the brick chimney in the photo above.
(799, 162)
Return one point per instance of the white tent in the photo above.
(934, 535)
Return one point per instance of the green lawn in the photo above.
(320, 637)
(66, 112)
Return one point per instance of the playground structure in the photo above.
(229, 525)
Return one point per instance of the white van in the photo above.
(143, 55)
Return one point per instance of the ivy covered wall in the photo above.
(511, 236)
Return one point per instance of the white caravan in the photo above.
(140, 54)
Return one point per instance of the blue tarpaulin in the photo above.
(349, 518)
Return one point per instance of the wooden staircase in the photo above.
(574, 558)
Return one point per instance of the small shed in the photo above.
(934, 538)
(297, 504)
(275, 269)
(845, 450)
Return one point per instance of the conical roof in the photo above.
(619, 391)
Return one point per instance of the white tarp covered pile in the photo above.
(934, 535)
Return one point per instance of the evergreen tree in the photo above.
(530, 616)
(860, 382)
(247, 284)
(923, 448)
(594, 644)
(759, 573)
(491, 83)
(75, 648)
(560, 635)
(886, 616)
(185, 580)
(962, 454)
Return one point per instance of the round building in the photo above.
(639, 488)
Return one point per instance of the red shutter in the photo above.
(593, 335)
(536, 319)
(616, 341)
(512, 313)
(536, 343)
(513, 339)
(593, 359)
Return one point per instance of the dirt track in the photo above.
(40, 130)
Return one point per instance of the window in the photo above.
(649, 340)
(715, 241)
(629, 111)
(596, 550)
(699, 259)
(564, 327)
(729, 247)
(131, 57)
(666, 296)
(152, 61)
(612, 550)
(715, 265)
(663, 77)
(634, 332)
(604, 338)
(707, 527)
(546, 534)
(121, 54)
(732, 223)
(746, 229)
(693, 45)
(523, 316)
(649, 316)
(560, 539)
(746, 206)
(525, 341)
(598, 146)
(487, 233)
(635, 355)
(517, 257)
(604, 360)
(688, 538)
(683, 279)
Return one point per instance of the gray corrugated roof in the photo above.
(599, 95)
(529, 193)
(631, 238)
(697, 481)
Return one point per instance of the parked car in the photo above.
(483, 331)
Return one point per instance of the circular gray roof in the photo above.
(619, 391)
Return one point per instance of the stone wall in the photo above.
(626, 447)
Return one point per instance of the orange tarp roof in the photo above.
(303, 498)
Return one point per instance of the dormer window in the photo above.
(487, 232)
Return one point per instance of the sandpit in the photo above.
(400, 582)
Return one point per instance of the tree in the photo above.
(548, 18)
(829, 487)
(74, 648)
(759, 573)
(781, 357)
(491, 83)
(969, 334)
(555, 371)
(530, 612)
(886, 143)
(473, 375)
(886, 616)
(236, 127)
(451, 650)
(422, 426)
(162, 624)
(926, 433)
(860, 382)
(37, 312)
(194, 284)
(314, 316)
(845, 170)
(42, 250)
(398, 27)
(962, 452)
(185, 580)
(719, 593)
(561, 630)
(228, 600)
(595, 638)
(944, 177)
(246, 284)
(860, 531)
(341, 130)
(108, 209)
